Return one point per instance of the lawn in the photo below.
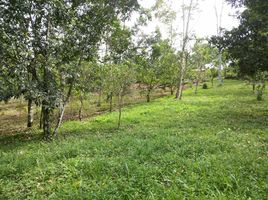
(213, 145)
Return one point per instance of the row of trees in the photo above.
(51, 50)
(44, 44)
(51, 57)
(247, 45)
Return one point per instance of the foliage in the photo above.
(205, 86)
(213, 73)
(148, 62)
(168, 64)
(203, 54)
(247, 45)
(45, 42)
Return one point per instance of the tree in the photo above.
(168, 65)
(119, 48)
(119, 79)
(247, 45)
(125, 77)
(218, 13)
(148, 63)
(87, 82)
(212, 75)
(165, 13)
(182, 67)
(202, 55)
(49, 40)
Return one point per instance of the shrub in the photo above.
(205, 86)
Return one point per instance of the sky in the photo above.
(203, 22)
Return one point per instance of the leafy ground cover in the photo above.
(213, 145)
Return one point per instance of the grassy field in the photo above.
(213, 145)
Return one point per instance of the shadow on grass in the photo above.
(218, 110)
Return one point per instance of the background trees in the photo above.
(45, 42)
(148, 63)
(52, 49)
(247, 45)
(203, 54)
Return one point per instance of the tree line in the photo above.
(51, 50)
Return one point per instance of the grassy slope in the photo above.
(213, 145)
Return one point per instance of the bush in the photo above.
(205, 86)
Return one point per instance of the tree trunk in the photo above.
(253, 86)
(196, 86)
(148, 96)
(46, 120)
(179, 90)
(111, 102)
(81, 107)
(220, 68)
(99, 99)
(171, 90)
(30, 113)
(60, 118)
(212, 82)
(181, 75)
(199, 76)
(62, 110)
(41, 118)
(180, 87)
(119, 109)
(184, 58)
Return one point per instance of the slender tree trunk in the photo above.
(99, 99)
(220, 68)
(186, 21)
(212, 82)
(196, 86)
(198, 78)
(60, 118)
(111, 102)
(30, 113)
(62, 110)
(46, 120)
(180, 88)
(46, 109)
(219, 33)
(81, 107)
(41, 118)
(181, 78)
(120, 98)
(148, 96)
(254, 85)
(171, 90)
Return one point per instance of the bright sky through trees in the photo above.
(203, 21)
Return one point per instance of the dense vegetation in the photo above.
(52, 50)
(213, 146)
(63, 61)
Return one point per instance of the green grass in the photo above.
(208, 146)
